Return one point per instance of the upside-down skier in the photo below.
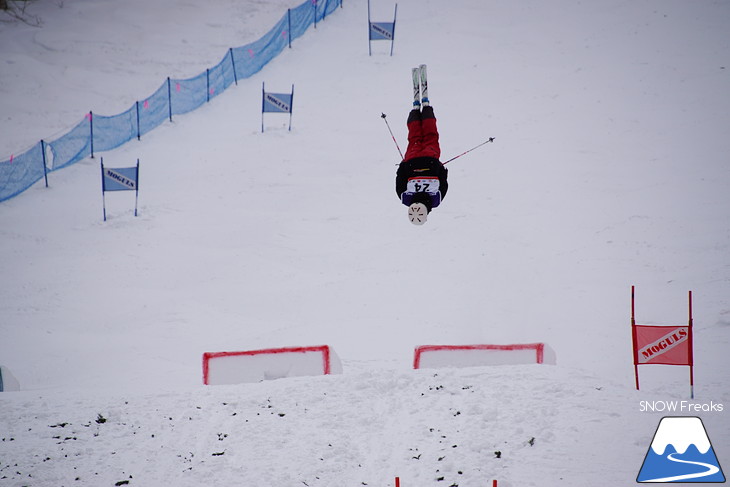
(421, 179)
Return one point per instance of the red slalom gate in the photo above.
(663, 345)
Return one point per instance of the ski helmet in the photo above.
(417, 213)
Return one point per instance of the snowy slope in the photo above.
(608, 169)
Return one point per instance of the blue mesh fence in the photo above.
(155, 109)
(96, 133)
(111, 132)
(19, 172)
(73, 146)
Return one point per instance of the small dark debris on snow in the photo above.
(532, 441)
(217, 454)
(100, 419)
(498, 454)
(122, 482)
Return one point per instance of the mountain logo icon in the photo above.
(680, 452)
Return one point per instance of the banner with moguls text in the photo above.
(119, 179)
(666, 345)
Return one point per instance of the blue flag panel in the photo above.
(277, 102)
(382, 31)
(120, 178)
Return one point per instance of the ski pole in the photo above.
(391, 134)
(490, 139)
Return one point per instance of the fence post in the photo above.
(288, 15)
(91, 132)
(43, 158)
(138, 131)
(169, 98)
(233, 63)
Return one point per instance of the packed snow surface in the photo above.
(609, 169)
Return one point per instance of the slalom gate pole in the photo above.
(490, 139)
(634, 340)
(103, 189)
(691, 352)
(391, 134)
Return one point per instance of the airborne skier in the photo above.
(421, 179)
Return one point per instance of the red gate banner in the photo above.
(667, 345)
(663, 345)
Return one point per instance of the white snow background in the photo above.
(610, 167)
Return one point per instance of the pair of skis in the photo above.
(420, 87)
(420, 98)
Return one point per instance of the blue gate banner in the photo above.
(120, 178)
(277, 102)
(382, 31)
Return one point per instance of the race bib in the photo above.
(427, 184)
